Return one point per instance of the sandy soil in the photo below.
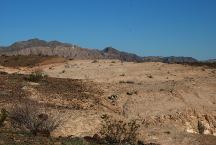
(169, 99)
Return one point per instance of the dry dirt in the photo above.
(168, 99)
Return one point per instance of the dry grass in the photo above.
(30, 116)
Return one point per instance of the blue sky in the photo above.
(144, 27)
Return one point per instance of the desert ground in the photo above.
(169, 100)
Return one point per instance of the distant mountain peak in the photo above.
(25, 44)
(35, 42)
(110, 50)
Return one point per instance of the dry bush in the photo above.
(94, 61)
(122, 75)
(30, 116)
(36, 76)
(3, 116)
(201, 127)
(119, 132)
(127, 82)
(149, 76)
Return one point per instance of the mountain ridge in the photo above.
(55, 48)
(52, 48)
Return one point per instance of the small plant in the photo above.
(94, 61)
(36, 76)
(119, 132)
(149, 76)
(201, 127)
(127, 82)
(63, 71)
(31, 117)
(203, 69)
(3, 116)
(113, 97)
(67, 66)
(3, 73)
(132, 92)
(122, 75)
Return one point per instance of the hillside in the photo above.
(171, 101)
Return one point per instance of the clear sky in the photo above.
(144, 27)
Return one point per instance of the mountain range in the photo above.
(56, 48)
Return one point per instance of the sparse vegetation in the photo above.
(29, 116)
(27, 61)
(115, 131)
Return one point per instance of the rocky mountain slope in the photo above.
(55, 48)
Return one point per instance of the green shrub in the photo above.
(119, 132)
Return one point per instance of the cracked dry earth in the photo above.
(171, 101)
